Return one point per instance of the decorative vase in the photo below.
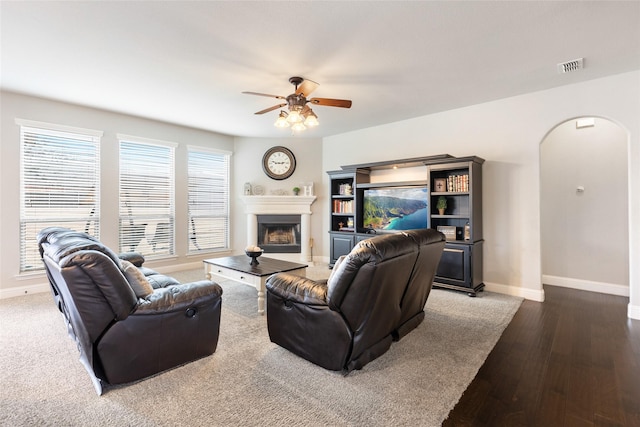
(254, 256)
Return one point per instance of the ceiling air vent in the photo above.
(570, 66)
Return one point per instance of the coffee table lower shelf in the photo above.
(237, 268)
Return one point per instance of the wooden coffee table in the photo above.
(237, 268)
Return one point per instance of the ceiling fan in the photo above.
(300, 115)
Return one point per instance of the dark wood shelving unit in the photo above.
(461, 264)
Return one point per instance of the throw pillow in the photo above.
(140, 285)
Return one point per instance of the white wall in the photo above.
(24, 107)
(507, 133)
(584, 216)
(248, 160)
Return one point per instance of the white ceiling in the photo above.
(188, 62)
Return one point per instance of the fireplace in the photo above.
(281, 206)
(279, 233)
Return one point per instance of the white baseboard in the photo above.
(526, 293)
(166, 269)
(586, 285)
(19, 291)
(633, 312)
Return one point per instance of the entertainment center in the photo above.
(391, 196)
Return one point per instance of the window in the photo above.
(147, 211)
(59, 184)
(208, 200)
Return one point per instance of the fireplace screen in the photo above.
(279, 233)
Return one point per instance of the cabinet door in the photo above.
(340, 245)
(455, 266)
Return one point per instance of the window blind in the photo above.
(59, 186)
(147, 197)
(208, 188)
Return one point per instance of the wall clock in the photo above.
(278, 163)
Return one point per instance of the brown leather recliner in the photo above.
(376, 294)
(128, 321)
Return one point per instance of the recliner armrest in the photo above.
(135, 258)
(179, 297)
(298, 289)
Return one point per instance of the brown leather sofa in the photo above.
(128, 321)
(376, 294)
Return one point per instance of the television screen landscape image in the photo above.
(395, 208)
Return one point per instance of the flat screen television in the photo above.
(392, 209)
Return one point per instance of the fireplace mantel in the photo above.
(278, 204)
(283, 205)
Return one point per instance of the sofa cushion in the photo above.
(368, 253)
(140, 285)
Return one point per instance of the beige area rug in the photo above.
(250, 381)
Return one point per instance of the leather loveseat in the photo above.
(128, 321)
(376, 294)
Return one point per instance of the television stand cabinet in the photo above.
(456, 180)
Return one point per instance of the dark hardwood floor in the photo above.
(573, 360)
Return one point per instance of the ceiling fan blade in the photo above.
(344, 103)
(265, 94)
(275, 107)
(306, 87)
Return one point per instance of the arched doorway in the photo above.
(584, 206)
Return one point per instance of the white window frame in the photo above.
(146, 196)
(208, 189)
(59, 186)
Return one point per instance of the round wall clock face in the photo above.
(278, 163)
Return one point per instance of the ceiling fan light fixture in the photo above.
(294, 116)
(298, 126)
(298, 115)
(282, 122)
(311, 119)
